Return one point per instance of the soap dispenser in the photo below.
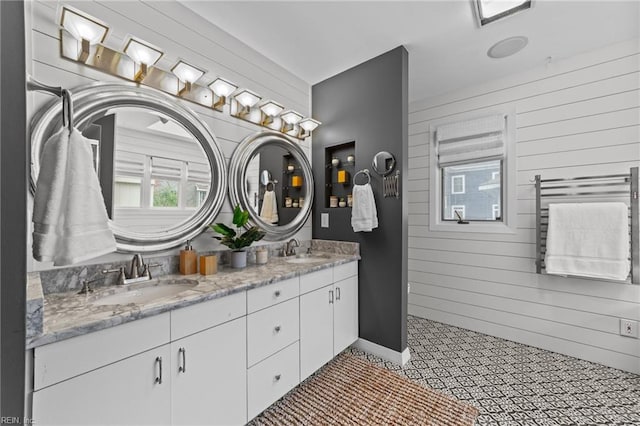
(188, 260)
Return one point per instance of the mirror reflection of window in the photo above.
(127, 192)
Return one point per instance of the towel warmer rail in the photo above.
(604, 185)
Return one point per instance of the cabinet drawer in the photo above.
(344, 271)
(271, 329)
(269, 295)
(272, 378)
(194, 318)
(316, 280)
(68, 358)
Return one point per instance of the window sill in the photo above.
(487, 228)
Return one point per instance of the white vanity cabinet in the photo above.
(218, 362)
(208, 369)
(104, 378)
(328, 315)
(127, 392)
(116, 376)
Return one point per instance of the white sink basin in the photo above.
(306, 259)
(141, 295)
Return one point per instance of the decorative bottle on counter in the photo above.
(188, 260)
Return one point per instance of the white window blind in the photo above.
(166, 168)
(472, 140)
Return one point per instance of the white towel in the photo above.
(588, 239)
(364, 216)
(269, 212)
(70, 222)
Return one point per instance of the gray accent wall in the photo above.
(368, 104)
(13, 210)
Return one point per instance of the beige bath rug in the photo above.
(352, 391)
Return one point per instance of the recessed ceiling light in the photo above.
(488, 11)
(507, 47)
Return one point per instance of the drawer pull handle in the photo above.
(277, 293)
(183, 368)
(159, 376)
(337, 293)
(277, 329)
(277, 377)
(330, 296)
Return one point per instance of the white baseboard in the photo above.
(383, 352)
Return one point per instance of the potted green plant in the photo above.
(238, 243)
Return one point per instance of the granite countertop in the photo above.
(69, 314)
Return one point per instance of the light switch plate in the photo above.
(324, 220)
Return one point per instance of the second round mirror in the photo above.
(271, 177)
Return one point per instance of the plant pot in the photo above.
(238, 259)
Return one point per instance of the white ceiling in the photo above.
(318, 39)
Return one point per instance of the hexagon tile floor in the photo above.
(516, 384)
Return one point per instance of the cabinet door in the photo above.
(316, 329)
(209, 376)
(123, 393)
(345, 314)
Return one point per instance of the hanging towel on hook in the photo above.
(269, 212)
(364, 216)
(70, 222)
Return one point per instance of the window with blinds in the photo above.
(470, 158)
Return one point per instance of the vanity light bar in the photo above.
(137, 63)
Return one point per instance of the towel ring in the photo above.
(364, 172)
(67, 100)
(273, 184)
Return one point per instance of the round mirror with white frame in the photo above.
(271, 178)
(162, 173)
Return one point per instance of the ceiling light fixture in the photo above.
(221, 88)
(143, 54)
(270, 110)
(84, 28)
(488, 11)
(507, 47)
(188, 74)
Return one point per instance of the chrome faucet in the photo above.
(138, 267)
(290, 249)
(139, 271)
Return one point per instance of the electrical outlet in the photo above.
(324, 220)
(628, 328)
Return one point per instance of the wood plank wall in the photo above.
(182, 34)
(578, 116)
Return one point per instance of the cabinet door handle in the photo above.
(277, 377)
(159, 376)
(183, 368)
(330, 296)
(277, 293)
(277, 329)
(337, 293)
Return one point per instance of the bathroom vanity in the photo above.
(218, 352)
